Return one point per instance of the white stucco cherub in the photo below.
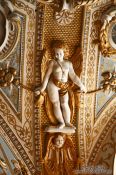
(56, 81)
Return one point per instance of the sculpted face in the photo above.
(59, 141)
(59, 54)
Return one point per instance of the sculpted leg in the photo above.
(58, 113)
(66, 110)
(54, 98)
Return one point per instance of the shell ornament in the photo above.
(64, 17)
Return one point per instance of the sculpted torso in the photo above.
(60, 70)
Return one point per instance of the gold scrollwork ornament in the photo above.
(11, 27)
(108, 36)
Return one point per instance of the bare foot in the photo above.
(61, 125)
(70, 125)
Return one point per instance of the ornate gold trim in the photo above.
(95, 151)
(90, 64)
(107, 46)
(13, 28)
(16, 145)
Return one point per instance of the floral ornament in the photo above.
(8, 77)
(109, 82)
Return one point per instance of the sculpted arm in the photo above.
(45, 79)
(75, 78)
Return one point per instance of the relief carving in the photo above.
(59, 107)
(64, 10)
(60, 157)
(3, 166)
(8, 76)
(2, 28)
(10, 29)
(19, 168)
(109, 82)
(105, 153)
(107, 35)
(56, 81)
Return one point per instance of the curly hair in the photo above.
(59, 44)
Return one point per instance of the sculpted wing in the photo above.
(50, 159)
(77, 60)
(44, 63)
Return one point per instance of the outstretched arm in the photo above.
(45, 79)
(75, 78)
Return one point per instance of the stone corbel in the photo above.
(11, 27)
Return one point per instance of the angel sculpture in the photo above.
(60, 158)
(56, 81)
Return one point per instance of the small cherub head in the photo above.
(59, 141)
(60, 49)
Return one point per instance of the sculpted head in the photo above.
(59, 54)
(60, 50)
(59, 141)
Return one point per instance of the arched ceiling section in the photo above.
(88, 118)
(14, 148)
(16, 108)
(93, 115)
(105, 149)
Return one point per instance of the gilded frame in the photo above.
(107, 45)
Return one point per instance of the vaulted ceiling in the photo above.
(28, 27)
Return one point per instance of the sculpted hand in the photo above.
(83, 89)
(38, 91)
